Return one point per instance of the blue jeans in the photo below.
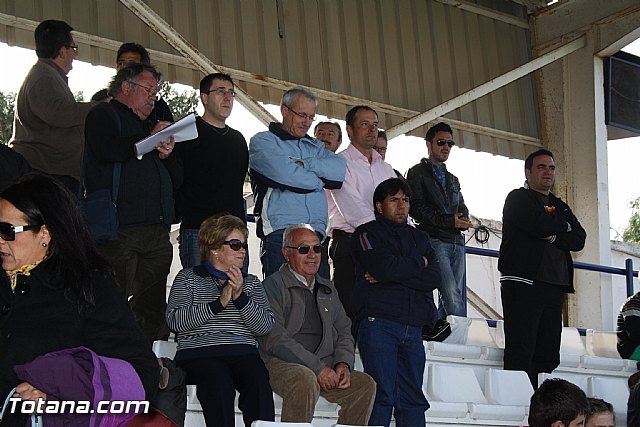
(452, 289)
(393, 354)
(190, 250)
(271, 254)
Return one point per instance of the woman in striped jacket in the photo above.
(216, 314)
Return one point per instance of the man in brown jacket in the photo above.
(48, 127)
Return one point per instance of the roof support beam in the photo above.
(486, 88)
(164, 30)
(262, 80)
(489, 13)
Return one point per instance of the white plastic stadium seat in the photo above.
(571, 348)
(165, 349)
(602, 352)
(602, 344)
(509, 388)
(581, 381)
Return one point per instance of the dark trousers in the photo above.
(218, 378)
(532, 327)
(344, 274)
(141, 258)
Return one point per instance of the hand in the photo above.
(159, 126)
(462, 222)
(328, 379)
(26, 391)
(344, 376)
(235, 281)
(370, 278)
(166, 148)
(225, 295)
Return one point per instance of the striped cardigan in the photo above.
(195, 314)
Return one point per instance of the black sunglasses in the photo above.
(236, 244)
(449, 142)
(304, 249)
(8, 231)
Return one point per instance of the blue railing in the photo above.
(628, 271)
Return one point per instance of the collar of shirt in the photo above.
(353, 153)
(302, 280)
(56, 67)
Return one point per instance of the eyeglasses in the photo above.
(150, 90)
(8, 231)
(303, 116)
(72, 46)
(449, 142)
(236, 244)
(304, 249)
(223, 92)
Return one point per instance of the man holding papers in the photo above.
(141, 256)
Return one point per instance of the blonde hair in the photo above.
(215, 230)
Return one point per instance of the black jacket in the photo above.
(393, 254)
(39, 318)
(12, 166)
(146, 186)
(434, 208)
(526, 223)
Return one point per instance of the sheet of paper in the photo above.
(182, 130)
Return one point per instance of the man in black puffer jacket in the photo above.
(396, 273)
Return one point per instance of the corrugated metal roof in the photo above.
(406, 56)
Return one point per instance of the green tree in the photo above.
(180, 103)
(632, 232)
(7, 103)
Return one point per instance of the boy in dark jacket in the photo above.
(396, 273)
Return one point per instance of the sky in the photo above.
(485, 179)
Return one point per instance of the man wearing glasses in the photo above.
(215, 165)
(438, 208)
(289, 172)
(49, 122)
(141, 255)
(310, 350)
(134, 52)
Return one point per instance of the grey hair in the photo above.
(130, 73)
(286, 237)
(292, 94)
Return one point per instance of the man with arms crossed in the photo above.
(289, 173)
(538, 232)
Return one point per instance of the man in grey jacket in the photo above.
(48, 124)
(310, 350)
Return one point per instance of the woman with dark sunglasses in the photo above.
(59, 298)
(216, 313)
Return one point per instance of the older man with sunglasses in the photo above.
(310, 350)
(438, 207)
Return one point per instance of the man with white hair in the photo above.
(289, 172)
(310, 350)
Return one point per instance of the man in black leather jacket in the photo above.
(438, 208)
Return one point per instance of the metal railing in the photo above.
(628, 271)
